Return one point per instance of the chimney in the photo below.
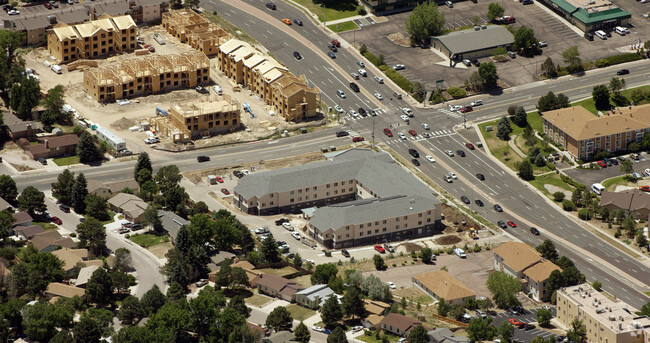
(47, 143)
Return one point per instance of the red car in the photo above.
(516, 322)
(47, 5)
(466, 109)
(357, 139)
(151, 49)
(380, 249)
(602, 164)
(388, 132)
(219, 179)
(511, 223)
(469, 146)
(225, 191)
(56, 220)
(336, 43)
(413, 133)
(146, 46)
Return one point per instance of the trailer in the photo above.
(158, 38)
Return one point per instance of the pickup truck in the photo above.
(389, 247)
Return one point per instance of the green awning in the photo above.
(591, 18)
(565, 6)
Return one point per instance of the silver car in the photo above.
(402, 136)
(379, 96)
(404, 118)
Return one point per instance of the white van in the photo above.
(601, 34)
(621, 30)
(597, 188)
(56, 68)
(460, 253)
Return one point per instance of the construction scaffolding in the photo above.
(195, 30)
(147, 75)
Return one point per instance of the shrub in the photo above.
(372, 58)
(584, 214)
(394, 265)
(400, 80)
(73, 234)
(571, 181)
(436, 97)
(558, 196)
(450, 251)
(362, 11)
(623, 58)
(456, 92)
(568, 205)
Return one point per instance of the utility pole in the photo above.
(373, 133)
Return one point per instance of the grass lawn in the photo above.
(258, 300)
(553, 179)
(304, 280)
(647, 293)
(66, 161)
(414, 295)
(373, 339)
(279, 271)
(147, 240)
(344, 26)
(342, 9)
(46, 226)
(300, 313)
(111, 215)
(590, 106)
(623, 180)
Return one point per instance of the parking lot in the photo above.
(530, 316)
(591, 176)
(425, 66)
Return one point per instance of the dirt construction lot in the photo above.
(425, 66)
(472, 271)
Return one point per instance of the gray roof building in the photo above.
(171, 222)
(473, 43)
(314, 296)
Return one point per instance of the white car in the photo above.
(354, 76)
(287, 226)
(317, 328)
(338, 109)
(362, 72)
(402, 136)
(455, 108)
(13, 12)
(152, 140)
(357, 328)
(296, 235)
(379, 96)
(429, 158)
(407, 111)
(404, 118)
(647, 171)
(391, 285)
(379, 79)
(398, 67)
(453, 176)
(476, 103)
(467, 62)
(353, 113)
(425, 126)
(312, 262)
(449, 153)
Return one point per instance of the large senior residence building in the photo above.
(363, 197)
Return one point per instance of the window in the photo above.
(360, 226)
(384, 221)
(291, 193)
(383, 230)
(336, 184)
(291, 200)
(360, 233)
(271, 203)
(419, 215)
(369, 232)
(376, 230)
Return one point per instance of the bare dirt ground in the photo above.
(160, 249)
(15, 156)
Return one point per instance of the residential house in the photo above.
(128, 204)
(442, 285)
(4, 205)
(399, 324)
(57, 289)
(376, 311)
(249, 268)
(218, 258)
(49, 241)
(632, 201)
(85, 274)
(52, 146)
(256, 328)
(172, 223)
(582, 134)
(21, 219)
(604, 319)
(73, 257)
(527, 264)
(108, 189)
(314, 296)
(277, 286)
(444, 335)
(279, 337)
(18, 128)
(26, 233)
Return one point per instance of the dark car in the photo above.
(498, 208)
(416, 162)
(480, 177)
(414, 153)
(238, 174)
(345, 253)
(296, 54)
(465, 199)
(64, 208)
(622, 72)
(201, 159)
(202, 90)
(529, 327)
(332, 47)
(460, 153)
(476, 62)
(298, 22)
(478, 202)
(502, 224)
(341, 133)
(534, 231)
(354, 87)
(281, 221)
(362, 112)
(331, 54)
(270, 5)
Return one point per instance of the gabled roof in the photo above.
(21, 217)
(122, 198)
(85, 274)
(63, 290)
(540, 271)
(71, 257)
(320, 292)
(630, 200)
(274, 282)
(171, 222)
(123, 22)
(232, 45)
(4, 204)
(444, 285)
(375, 307)
(61, 141)
(51, 238)
(400, 321)
(518, 256)
(29, 231)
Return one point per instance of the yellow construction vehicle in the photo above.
(472, 234)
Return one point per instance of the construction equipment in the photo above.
(472, 234)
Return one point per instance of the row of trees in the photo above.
(605, 95)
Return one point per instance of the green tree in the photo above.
(554, 282)
(548, 250)
(144, 162)
(8, 189)
(479, 329)
(337, 336)
(616, 85)
(201, 207)
(6, 222)
(577, 333)
(525, 41)
(425, 21)
(645, 310)
(41, 319)
(526, 171)
(633, 147)
(279, 319)
(324, 273)
(548, 68)
(99, 289)
(176, 291)
(87, 330)
(24, 96)
(627, 166)
(558, 196)
(457, 312)
(238, 303)
(86, 148)
(504, 289)
(269, 250)
(495, 11)
(331, 312)
(353, 304)
(122, 261)
(443, 307)
(31, 200)
(120, 281)
(192, 4)
(379, 262)
(504, 129)
(544, 317)
(600, 94)
(92, 235)
(488, 73)
(302, 333)
(641, 240)
(572, 59)
(63, 336)
(152, 300)
(418, 335)
(11, 65)
(629, 225)
(425, 255)
(97, 207)
(297, 260)
(36, 271)
(520, 118)
(506, 331)
(62, 188)
(54, 104)
(150, 218)
(79, 193)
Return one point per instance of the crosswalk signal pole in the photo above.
(464, 120)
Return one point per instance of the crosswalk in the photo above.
(420, 137)
(452, 114)
(359, 117)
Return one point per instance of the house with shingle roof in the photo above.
(314, 296)
(28, 232)
(57, 289)
(399, 324)
(277, 286)
(85, 274)
(128, 204)
(21, 219)
(70, 258)
(172, 223)
(4, 205)
(442, 285)
(19, 128)
(109, 189)
(49, 241)
(54, 146)
(632, 201)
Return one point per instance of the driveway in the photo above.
(591, 176)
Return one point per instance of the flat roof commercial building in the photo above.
(583, 134)
(468, 44)
(605, 320)
(590, 15)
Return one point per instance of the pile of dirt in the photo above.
(410, 247)
(123, 123)
(447, 240)
(399, 39)
(453, 218)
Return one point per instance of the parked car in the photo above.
(391, 285)
(225, 191)
(261, 230)
(57, 220)
(389, 247)
(64, 208)
(379, 249)
(426, 126)
(345, 253)
(152, 140)
(281, 221)
(199, 89)
(287, 226)
(398, 67)
(201, 283)
(388, 132)
(296, 235)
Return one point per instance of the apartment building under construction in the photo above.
(191, 121)
(194, 29)
(93, 39)
(289, 95)
(151, 74)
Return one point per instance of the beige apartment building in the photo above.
(289, 95)
(93, 39)
(194, 29)
(583, 134)
(151, 74)
(356, 205)
(606, 321)
(191, 121)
